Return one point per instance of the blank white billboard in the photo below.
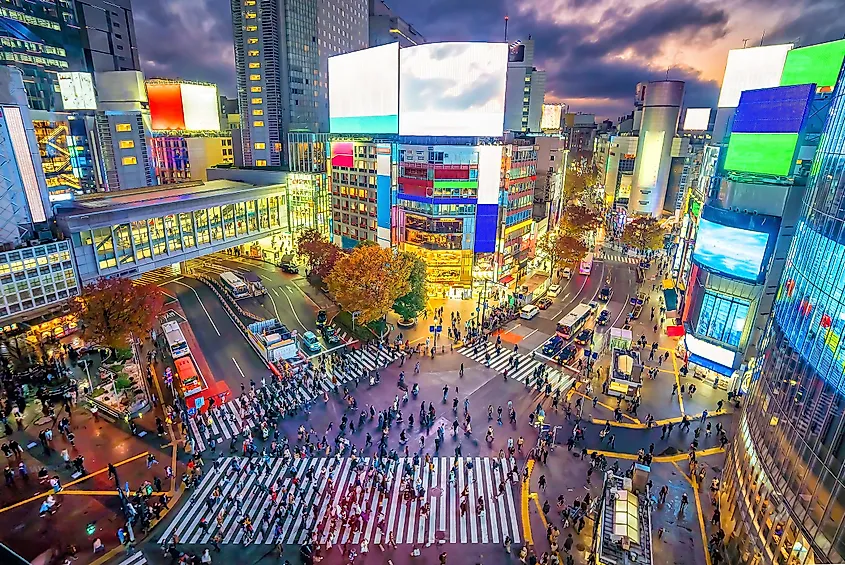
(489, 173)
(551, 116)
(453, 89)
(696, 119)
(364, 91)
(77, 91)
(752, 68)
(200, 106)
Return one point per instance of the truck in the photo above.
(288, 264)
(254, 284)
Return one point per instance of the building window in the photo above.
(253, 52)
(257, 100)
(252, 40)
(254, 77)
(255, 89)
(123, 127)
(255, 65)
(261, 163)
(127, 144)
(258, 112)
(258, 124)
(722, 318)
(129, 161)
(252, 28)
(260, 145)
(249, 2)
(250, 15)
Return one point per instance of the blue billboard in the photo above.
(782, 109)
(733, 244)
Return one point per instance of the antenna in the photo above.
(745, 43)
(762, 37)
(506, 28)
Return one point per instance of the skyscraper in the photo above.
(525, 90)
(783, 478)
(386, 27)
(281, 57)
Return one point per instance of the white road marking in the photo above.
(239, 367)
(276, 292)
(295, 315)
(203, 306)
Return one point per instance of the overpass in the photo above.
(130, 232)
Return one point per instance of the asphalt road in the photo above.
(228, 354)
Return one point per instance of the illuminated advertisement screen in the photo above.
(200, 107)
(364, 91)
(342, 154)
(781, 109)
(77, 91)
(166, 106)
(761, 153)
(747, 69)
(551, 116)
(697, 119)
(649, 161)
(709, 351)
(733, 244)
(455, 89)
(816, 64)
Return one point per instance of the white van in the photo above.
(528, 311)
(554, 290)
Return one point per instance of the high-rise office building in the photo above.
(281, 57)
(108, 35)
(525, 89)
(783, 477)
(387, 27)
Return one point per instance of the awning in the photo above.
(506, 279)
(670, 297)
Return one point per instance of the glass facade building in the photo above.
(784, 477)
(36, 276)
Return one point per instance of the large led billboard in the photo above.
(452, 89)
(364, 91)
(697, 119)
(816, 64)
(765, 154)
(200, 104)
(77, 91)
(731, 251)
(781, 109)
(551, 116)
(178, 106)
(755, 67)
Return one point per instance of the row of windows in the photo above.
(722, 318)
(135, 241)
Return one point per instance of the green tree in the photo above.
(110, 309)
(643, 233)
(578, 220)
(369, 280)
(561, 250)
(409, 305)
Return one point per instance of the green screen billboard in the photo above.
(816, 64)
(761, 153)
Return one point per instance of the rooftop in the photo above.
(152, 196)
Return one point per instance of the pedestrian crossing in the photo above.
(617, 256)
(560, 381)
(157, 277)
(490, 511)
(223, 422)
(136, 558)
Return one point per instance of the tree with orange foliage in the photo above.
(578, 220)
(110, 309)
(560, 250)
(369, 280)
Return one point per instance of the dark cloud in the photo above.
(822, 20)
(187, 39)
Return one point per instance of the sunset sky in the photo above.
(594, 51)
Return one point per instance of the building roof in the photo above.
(152, 196)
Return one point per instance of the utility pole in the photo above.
(506, 28)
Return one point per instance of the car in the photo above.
(554, 290)
(638, 299)
(567, 353)
(551, 346)
(636, 311)
(528, 311)
(584, 337)
(567, 273)
(330, 334)
(309, 340)
(593, 305)
(604, 317)
(321, 318)
(605, 293)
(544, 303)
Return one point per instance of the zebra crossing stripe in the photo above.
(136, 558)
(559, 380)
